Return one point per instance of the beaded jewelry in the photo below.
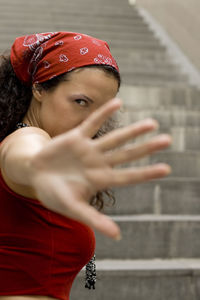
(90, 274)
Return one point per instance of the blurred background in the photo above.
(156, 44)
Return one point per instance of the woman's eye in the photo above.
(82, 102)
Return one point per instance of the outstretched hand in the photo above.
(73, 166)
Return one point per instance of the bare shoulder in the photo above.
(15, 149)
(24, 134)
(27, 136)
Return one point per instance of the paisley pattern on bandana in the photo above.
(34, 61)
(83, 51)
(59, 43)
(77, 37)
(41, 56)
(96, 42)
(101, 59)
(46, 64)
(63, 58)
(34, 40)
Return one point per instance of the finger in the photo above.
(92, 124)
(74, 207)
(122, 177)
(132, 153)
(122, 135)
(91, 217)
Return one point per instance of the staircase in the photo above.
(159, 255)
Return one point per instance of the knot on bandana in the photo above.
(39, 57)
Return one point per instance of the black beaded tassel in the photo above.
(90, 274)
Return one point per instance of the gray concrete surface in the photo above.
(171, 196)
(143, 279)
(179, 19)
(153, 236)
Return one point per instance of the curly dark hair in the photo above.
(15, 98)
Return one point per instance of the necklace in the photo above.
(21, 124)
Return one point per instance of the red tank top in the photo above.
(41, 252)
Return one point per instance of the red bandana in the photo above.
(40, 57)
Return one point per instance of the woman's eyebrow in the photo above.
(84, 96)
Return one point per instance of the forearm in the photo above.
(17, 152)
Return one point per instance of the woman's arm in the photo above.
(67, 170)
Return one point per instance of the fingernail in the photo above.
(117, 100)
(118, 237)
(165, 138)
(169, 170)
(152, 122)
(166, 167)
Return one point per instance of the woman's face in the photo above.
(73, 101)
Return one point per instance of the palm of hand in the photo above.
(73, 167)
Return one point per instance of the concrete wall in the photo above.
(181, 20)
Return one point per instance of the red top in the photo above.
(41, 252)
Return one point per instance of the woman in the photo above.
(56, 89)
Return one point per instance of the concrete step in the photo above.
(97, 31)
(129, 66)
(82, 16)
(106, 8)
(156, 279)
(139, 98)
(73, 6)
(23, 3)
(184, 164)
(20, 24)
(92, 28)
(171, 196)
(87, 14)
(108, 35)
(163, 69)
(160, 53)
(155, 77)
(141, 56)
(152, 236)
(127, 63)
(125, 36)
(103, 4)
(71, 1)
(165, 117)
(184, 138)
(99, 17)
(135, 44)
(8, 18)
(90, 9)
(151, 79)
